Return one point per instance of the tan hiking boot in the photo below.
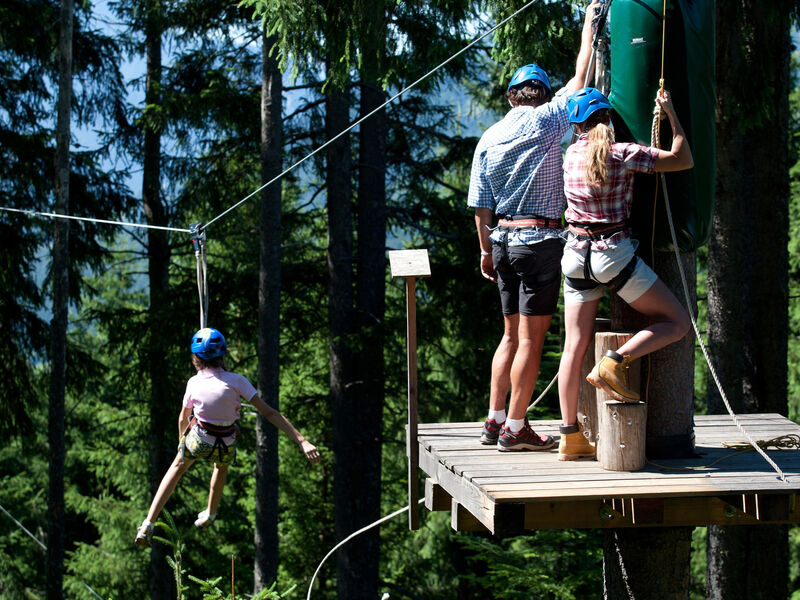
(612, 376)
(574, 444)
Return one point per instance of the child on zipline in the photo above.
(214, 395)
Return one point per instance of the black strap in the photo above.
(615, 284)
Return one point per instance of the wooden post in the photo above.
(614, 450)
(587, 393)
(622, 436)
(411, 264)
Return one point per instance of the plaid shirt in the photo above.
(516, 169)
(612, 202)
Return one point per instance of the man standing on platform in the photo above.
(517, 175)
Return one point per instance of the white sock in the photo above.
(499, 416)
(514, 425)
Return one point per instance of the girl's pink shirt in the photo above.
(215, 395)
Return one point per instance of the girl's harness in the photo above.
(592, 232)
(218, 432)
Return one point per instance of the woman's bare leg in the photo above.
(673, 321)
(579, 324)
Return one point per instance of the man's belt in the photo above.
(528, 221)
(590, 231)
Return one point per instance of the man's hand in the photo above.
(487, 267)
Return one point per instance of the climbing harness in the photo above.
(593, 232)
(218, 432)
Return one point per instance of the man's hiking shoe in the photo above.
(204, 519)
(612, 376)
(491, 431)
(574, 444)
(525, 439)
(144, 535)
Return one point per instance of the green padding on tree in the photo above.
(636, 33)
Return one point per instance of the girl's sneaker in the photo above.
(144, 535)
(204, 519)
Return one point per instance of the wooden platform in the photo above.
(508, 492)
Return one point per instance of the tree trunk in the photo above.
(58, 347)
(340, 319)
(162, 414)
(269, 304)
(365, 421)
(648, 562)
(748, 265)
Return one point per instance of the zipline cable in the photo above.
(35, 213)
(43, 547)
(368, 115)
(351, 536)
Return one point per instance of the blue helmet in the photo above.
(209, 343)
(530, 73)
(584, 102)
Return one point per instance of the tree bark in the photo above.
(347, 461)
(644, 563)
(748, 265)
(58, 347)
(368, 391)
(269, 301)
(162, 415)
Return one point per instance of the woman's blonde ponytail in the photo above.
(600, 138)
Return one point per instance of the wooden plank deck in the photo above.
(512, 491)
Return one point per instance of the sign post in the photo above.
(410, 264)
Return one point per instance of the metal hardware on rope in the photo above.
(598, 25)
(199, 243)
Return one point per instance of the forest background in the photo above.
(299, 284)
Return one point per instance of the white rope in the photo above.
(351, 536)
(547, 389)
(703, 346)
(367, 116)
(34, 213)
(43, 547)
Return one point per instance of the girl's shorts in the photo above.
(606, 264)
(196, 445)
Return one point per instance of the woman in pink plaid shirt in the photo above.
(598, 184)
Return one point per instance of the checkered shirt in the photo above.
(516, 169)
(612, 202)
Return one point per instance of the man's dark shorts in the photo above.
(529, 277)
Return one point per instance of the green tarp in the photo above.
(635, 53)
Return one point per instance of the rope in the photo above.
(368, 115)
(711, 369)
(547, 389)
(44, 548)
(34, 213)
(655, 131)
(199, 243)
(351, 536)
